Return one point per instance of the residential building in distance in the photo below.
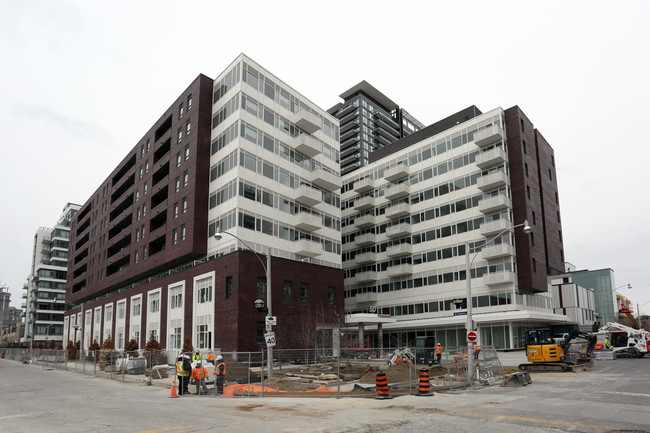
(246, 156)
(369, 120)
(442, 200)
(45, 288)
(603, 283)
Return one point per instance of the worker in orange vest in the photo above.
(199, 374)
(211, 358)
(220, 371)
(438, 348)
(477, 349)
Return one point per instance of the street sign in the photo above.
(372, 309)
(269, 328)
(270, 339)
(460, 313)
(472, 336)
(271, 320)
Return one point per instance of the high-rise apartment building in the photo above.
(444, 197)
(45, 288)
(369, 120)
(244, 154)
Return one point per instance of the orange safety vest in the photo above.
(438, 349)
(179, 369)
(216, 369)
(199, 373)
(476, 347)
(211, 357)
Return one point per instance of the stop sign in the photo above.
(472, 336)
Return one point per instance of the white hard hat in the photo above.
(219, 357)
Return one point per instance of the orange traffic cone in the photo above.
(174, 394)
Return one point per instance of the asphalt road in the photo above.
(612, 396)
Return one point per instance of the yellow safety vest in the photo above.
(179, 369)
(216, 369)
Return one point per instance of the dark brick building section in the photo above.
(534, 197)
(238, 325)
(150, 212)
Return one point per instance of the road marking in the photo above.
(545, 421)
(23, 415)
(162, 430)
(633, 394)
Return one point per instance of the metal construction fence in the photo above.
(295, 372)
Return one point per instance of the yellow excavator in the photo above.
(545, 353)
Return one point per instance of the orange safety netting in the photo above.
(230, 389)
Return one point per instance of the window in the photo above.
(188, 127)
(330, 295)
(175, 338)
(142, 150)
(154, 303)
(523, 142)
(261, 287)
(176, 298)
(522, 123)
(148, 144)
(184, 205)
(180, 110)
(204, 290)
(288, 290)
(121, 310)
(178, 159)
(526, 169)
(174, 236)
(187, 152)
(144, 210)
(183, 232)
(146, 167)
(186, 178)
(136, 307)
(550, 174)
(203, 336)
(528, 192)
(175, 210)
(304, 292)
(180, 134)
(534, 265)
(189, 101)
(145, 188)
(177, 184)
(228, 287)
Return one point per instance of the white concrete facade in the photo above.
(408, 220)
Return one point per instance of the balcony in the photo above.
(366, 297)
(307, 121)
(398, 211)
(395, 192)
(492, 181)
(308, 222)
(497, 278)
(308, 196)
(309, 248)
(347, 109)
(493, 204)
(365, 258)
(383, 140)
(365, 277)
(399, 270)
(493, 227)
(397, 172)
(365, 221)
(364, 203)
(386, 118)
(490, 135)
(326, 180)
(365, 239)
(364, 185)
(399, 250)
(349, 134)
(496, 156)
(399, 230)
(308, 145)
(498, 251)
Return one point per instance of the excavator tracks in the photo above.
(580, 364)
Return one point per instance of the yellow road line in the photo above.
(162, 430)
(544, 421)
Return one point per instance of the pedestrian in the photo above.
(477, 350)
(196, 356)
(220, 372)
(211, 358)
(606, 342)
(187, 370)
(180, 376)
(199, 374)
(438, 353)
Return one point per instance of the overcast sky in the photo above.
(83, 81)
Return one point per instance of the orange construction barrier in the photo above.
(424, 387)
(381, 385)
(174, 394)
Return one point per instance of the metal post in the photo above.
(268, 305)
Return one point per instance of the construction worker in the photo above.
(220, 372)
(199, 374)
(438, 348)
(196, 356)
(477, 350)
(211, 358)
(187, 370)
(606, 342)
(181, 373)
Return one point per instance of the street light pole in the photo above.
(267, 271)
(469, 325)
(602, 306)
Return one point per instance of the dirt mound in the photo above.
(394, 374)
